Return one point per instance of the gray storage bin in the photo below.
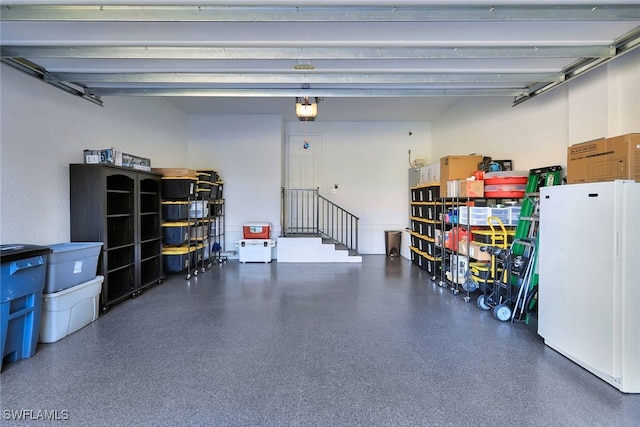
(70, 264)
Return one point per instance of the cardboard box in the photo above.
(605, 159)
(109, 156)
(176, 172)
(476, 253)
(136, 162)
(456, 167)
(471, 188)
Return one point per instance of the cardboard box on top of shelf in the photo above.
(176, 172)
(604, 159)
(471, 188)
(456, 167)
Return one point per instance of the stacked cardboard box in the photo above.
(604, 159)
(456, 168)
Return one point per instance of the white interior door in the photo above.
(303, 161)
(302, 172)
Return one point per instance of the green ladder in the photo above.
(527, 229)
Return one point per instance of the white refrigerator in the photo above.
(589, 277)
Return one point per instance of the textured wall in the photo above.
(44, 129)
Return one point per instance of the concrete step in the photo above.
(313, 249)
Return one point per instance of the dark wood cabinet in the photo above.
(121, 208)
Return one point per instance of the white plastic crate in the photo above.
(514, 215)
(479, 215)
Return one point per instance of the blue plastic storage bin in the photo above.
(23, 270)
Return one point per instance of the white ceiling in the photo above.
(375, 60)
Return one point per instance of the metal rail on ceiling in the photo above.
(320, 13)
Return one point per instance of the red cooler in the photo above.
(256, 230)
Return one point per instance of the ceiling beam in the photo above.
(286, 93)
(318, 13)
(305, 53)
(301, 78)
(38, 72)
(622, 45)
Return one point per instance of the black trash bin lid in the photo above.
(16, 251)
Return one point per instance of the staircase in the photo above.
(314, 229)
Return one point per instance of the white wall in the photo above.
(624, 94)
(43, 129)
(246, 151)
(603, 103)
(369, 162)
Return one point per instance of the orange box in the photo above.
(256, 230)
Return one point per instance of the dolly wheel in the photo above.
(188, 276)
(105, 309)
(502, 312)
(482, 302)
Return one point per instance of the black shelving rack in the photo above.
(121, 208)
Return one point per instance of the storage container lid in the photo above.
(178, 250)
(506, 174)
(176, 224)
(189, 178)
(75, 246)
(174, 202)
(14, 252)
(509, 232)
(257, 224)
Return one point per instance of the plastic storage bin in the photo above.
(178, 187)
(479, 215)
(176, 259)
(199, 209)
(70, 264)
(23, 271)
(505, 185)
(175, 211)
(256, 230)
(200, 231)
(175, 233)
(486, 236)
(67, 311)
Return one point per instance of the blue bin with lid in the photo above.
(22, 277)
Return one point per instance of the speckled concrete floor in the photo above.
(306, 345)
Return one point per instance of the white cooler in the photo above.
(255, 250)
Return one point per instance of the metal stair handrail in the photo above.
(305, 212)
